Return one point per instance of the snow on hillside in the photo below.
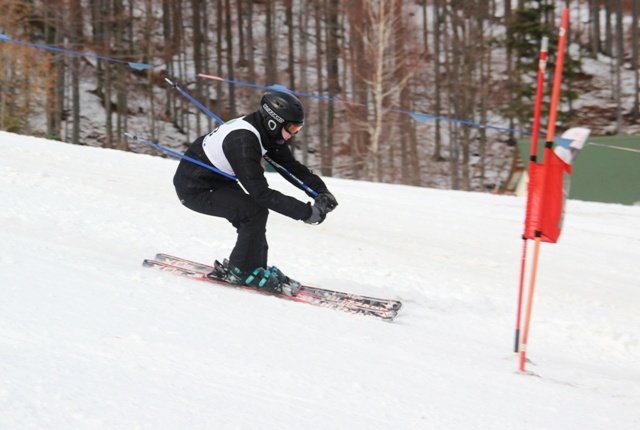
(91, 340)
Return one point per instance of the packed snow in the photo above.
(89, 339)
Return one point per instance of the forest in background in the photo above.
(463, 63)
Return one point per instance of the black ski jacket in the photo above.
(242, 150)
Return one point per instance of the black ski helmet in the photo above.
(280, 109)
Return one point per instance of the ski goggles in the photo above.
(293, 127)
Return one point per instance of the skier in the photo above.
(236, 148)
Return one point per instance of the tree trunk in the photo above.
(333, 52)
(242, 61)
(271, 45)
(620, 65)
(437, 44)
(608, 35)
(53, 34)
(198, 48)
(149, 55)
(358, 143)
(167, 56)
(219, 59)
(635, 41)
(318, 16)
(251, 42)
(121, 83)
(76, 36)
(303, 19)
(594, 12)
(230, 64)
(106, 15)
(508, 17)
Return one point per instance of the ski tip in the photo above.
(389, 317)
(147, 263)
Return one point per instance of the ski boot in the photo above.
(289, 286)
(260, 278)
(270, 279)
(221, 273)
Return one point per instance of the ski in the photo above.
(348, 306)
(373, 302)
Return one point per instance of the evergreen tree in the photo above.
(531, 22)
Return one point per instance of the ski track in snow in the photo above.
(91, 340)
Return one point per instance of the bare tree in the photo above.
(148, 28)
(620, 63)
(408, 156)
(53, 25)
(271, 42)
(288, 4)
(75, 37)
(319, 64)
(199, 47)
(608, 32)
(594, 34)
(437, 46)
(333, 33)
(384, 79)
(250, 41)
(303, 19)
(359, 65)
(635, 61)
(120, 20)
(242, 55)
(167, 55)
(230, 65)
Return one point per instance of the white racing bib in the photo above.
(212, 143)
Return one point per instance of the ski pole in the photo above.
(182, 156)
(194, 101)
(302, 184)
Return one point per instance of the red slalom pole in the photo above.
(542, 66)
(523, 265)
(553, 113)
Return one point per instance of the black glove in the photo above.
(317, 215)
(326, 201)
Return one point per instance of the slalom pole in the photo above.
(532, 284)
(553, 114)
(542, 65)
(179, 155)
(523, 265)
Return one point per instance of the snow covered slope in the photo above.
(91, 340)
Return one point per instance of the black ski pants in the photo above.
(248, 217)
